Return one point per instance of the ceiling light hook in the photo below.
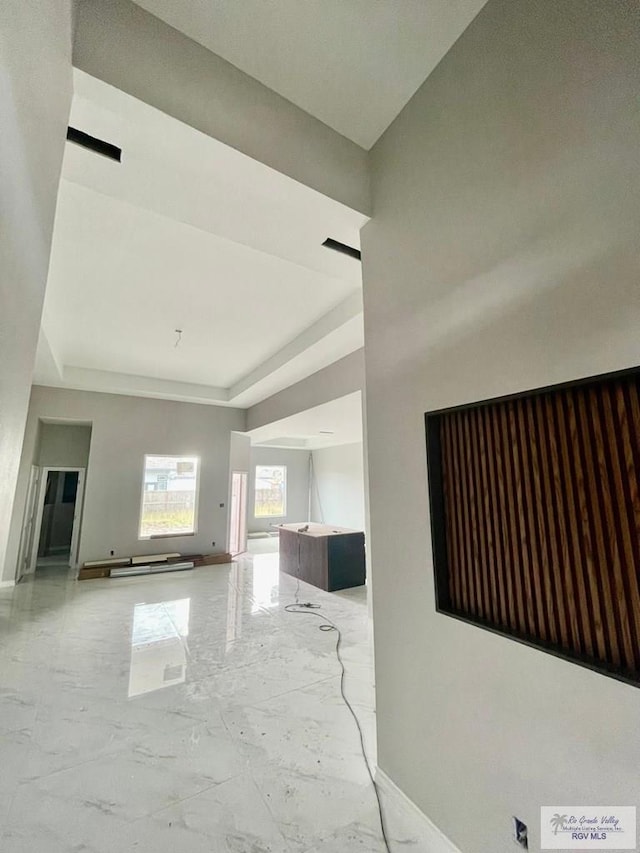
(179, 338)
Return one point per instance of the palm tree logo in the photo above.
(558, 821)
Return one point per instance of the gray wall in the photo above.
(120, 43)
(63, 445)
(503, 255)
(240, 452)
(297, 462)
(337, 491)
(35, 97)
(124, 429)
(337, 380)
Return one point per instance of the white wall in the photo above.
(297, 462)
(337, 490)
(35, 97)
(503, 255)
(124, 429)
(63, 445)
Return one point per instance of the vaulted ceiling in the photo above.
(189, 233)
(186, 233)
(353, 64)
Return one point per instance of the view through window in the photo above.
(271, 491)
(169, 496)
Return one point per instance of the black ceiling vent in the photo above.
(337, 246)
(99, 146)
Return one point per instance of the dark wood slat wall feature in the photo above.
(464, 524)
(493, 522)
(482, 553)
(547, 605)
(536, 518)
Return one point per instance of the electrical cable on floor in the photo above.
(312, 609)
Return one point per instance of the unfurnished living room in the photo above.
(319, 426)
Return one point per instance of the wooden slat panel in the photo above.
(460, 569)
(606, 502)
(493, 521)
(483, 556)
(566, 581)
(620, 529)
(541, 499)
(595, 509)
(448, 485)
(510, 523)
(537, 566)
(585, 483)
(475, 565)
(544, 529)
(465, 522)
(577, 554)
(521, 544)
(503, 500)
(630, 454)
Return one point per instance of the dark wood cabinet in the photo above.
(330, 558)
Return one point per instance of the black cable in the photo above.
(327, 625)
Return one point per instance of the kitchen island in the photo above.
(326, 556)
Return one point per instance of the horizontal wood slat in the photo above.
(536, 518)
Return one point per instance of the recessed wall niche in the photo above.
(535, 518)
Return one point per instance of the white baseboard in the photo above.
(437, 841)
(7, 584)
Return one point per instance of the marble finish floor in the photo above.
(185, 712)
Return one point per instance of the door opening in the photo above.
(56, 534)
(238, 513)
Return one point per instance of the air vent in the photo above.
(98, 146)
(337, 246)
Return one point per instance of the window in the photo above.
(271, 491)
(169, 496)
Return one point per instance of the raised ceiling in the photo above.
(337, 422)
(189, 234)
(353, 64)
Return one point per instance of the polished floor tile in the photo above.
(186, 712)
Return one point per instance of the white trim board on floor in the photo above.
(6, 584)
(437, 840)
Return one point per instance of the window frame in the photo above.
(196, 500)
(282, 514)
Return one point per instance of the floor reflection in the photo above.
(249, 750)
(158, 645)
(263, 579)
(266, 577)
(234, 605)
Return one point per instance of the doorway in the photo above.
(57, 530)
(238, 513)
(28, 523)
